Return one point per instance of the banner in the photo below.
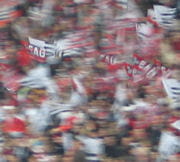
(73, 44)
(148, 69)
(140, 69)
(40, 50)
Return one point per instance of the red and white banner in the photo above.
(142, 69)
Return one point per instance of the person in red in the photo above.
(13, 124)
(65, 127)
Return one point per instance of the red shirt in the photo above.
(135, 124)
(14, 125)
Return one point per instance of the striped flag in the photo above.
(49, 48)
(165, 16)
(7, 14)
(67, 48)
(40, 49)
(73, 44)
(172, 88)
(60, 109)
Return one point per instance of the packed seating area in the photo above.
(89, 80)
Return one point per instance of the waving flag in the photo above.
(39, 49)
(172, 88)
(8, 13)
(74, 44)
(165, 16)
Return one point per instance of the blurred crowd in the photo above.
(89, 81)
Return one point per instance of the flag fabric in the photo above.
(36, 78)
(149, 39)
(144, 30)
(164, 15)
(122, 4)
(5, 13)
(61, 109)
(74, 44)
(39, 78)
(40, 50)
(8, 13)
(49, 48)
(151, 14)
(172, 88)
(176, 124)
(142, 70)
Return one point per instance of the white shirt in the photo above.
(93, 147)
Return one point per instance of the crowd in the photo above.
(89, 81)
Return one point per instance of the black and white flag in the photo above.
(41, 48)
(172, 88)
(165, 16)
